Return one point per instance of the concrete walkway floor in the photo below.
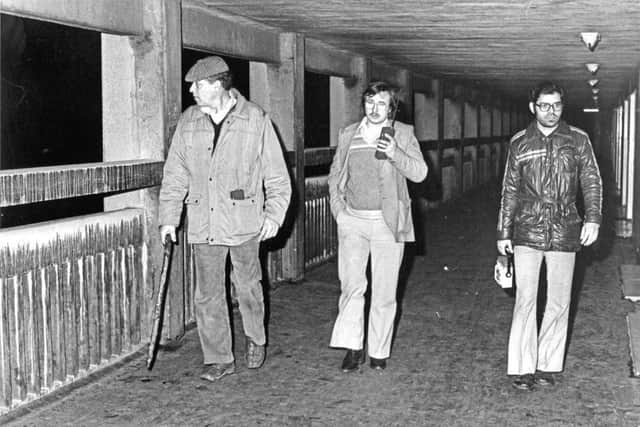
(448, 360)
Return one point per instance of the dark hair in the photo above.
(226, 79)
(376, 87)
(546, 88)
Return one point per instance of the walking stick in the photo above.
(158, 311)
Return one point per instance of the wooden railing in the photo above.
(73, 292)
(321, 242)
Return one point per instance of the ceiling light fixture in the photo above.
(591, 110)
(593, 82)
(592, 67)
(590, 39)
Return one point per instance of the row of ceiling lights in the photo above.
(591, 40)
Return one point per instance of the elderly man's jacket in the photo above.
(540, 186)
(230, 189)
(407, 163)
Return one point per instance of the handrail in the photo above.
(40, 184)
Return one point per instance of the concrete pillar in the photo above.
(405, 81)
(279, 89)
(141, 105)
(635, 233)
(345, 95)
(462, 150)
(439, 92)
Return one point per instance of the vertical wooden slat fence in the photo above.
(70, 299)
(320, 227)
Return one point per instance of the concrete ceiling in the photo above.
(504, 45)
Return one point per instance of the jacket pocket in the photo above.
(405, 222)
(246, 216)
(196, 216)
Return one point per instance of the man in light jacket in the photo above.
(371, 205)
(226, 164)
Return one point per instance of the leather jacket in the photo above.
(540, 185)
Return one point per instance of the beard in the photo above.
(549, 121)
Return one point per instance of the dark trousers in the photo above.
(212, 313)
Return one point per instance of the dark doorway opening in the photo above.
(316, 117)
(51, 107)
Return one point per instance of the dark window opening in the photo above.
(47, 211)
(51, 107)
(316, 110)
(238, 67)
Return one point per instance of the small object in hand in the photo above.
(386, 130)
(503, 271)
(237, 194)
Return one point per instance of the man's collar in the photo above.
(240, 104)
(562, 129)
(364, 123)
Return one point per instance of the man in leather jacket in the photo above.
(538, 219)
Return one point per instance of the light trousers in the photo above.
(359, 237)
(530, 349)
(210, 300)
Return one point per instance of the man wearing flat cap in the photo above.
(226, 165)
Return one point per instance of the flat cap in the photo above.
(206, 67)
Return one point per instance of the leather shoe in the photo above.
(524, 382)
(254, 355)
(377, 364)
(544, 378)
(216, 371)
(352, 360)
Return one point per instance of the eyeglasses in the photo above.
(370, 103)
(545, 106)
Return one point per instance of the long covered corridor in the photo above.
(92, 92)
(447, 365)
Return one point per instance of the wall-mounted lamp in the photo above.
(595, 90)
(592, 67)
(590, 40)
(593, 82)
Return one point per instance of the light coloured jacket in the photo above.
(407, 163)
(247, 157)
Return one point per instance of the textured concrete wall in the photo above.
(485, 121)
(426, 117)
(202, 30)
(506, 122)
(470, 120)
(452, 123)
(345, 95)
(109, 16)
(497, 122)
(324, 59)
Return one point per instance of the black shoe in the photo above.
(377, 364)
(544, 378)
(524, 382)
(352, 360)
